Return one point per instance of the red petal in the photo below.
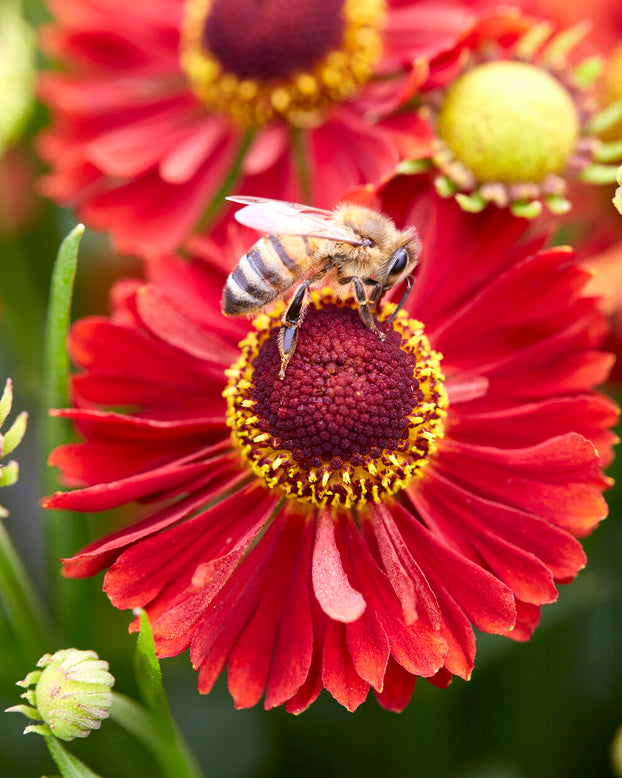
(313, 685)
(413, 135)
(257, 581)
(338, 599)
(98, 343)
(418, 647)
(179, 556)
(407, 578)
(398, 687)
(576, 507)
(487, 602)
(530, 423)
(527, 618)
(349, 151)
(174, 327)
(454, 629)
(540, 288)
(184, 160)
(268, 146)
(463, 518)
(562, 459)
(196, 288)
(183, 615)
(136, 147)
(110, 495)
(293, 649)
(253, 657)
(102, 553)
(338, 673)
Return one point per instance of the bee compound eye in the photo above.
(400, 261)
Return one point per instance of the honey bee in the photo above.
(352, 248)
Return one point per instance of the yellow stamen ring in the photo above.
(339, 481)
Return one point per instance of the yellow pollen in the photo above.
(300, 97)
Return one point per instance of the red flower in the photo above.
(345, 527)
(160, 105)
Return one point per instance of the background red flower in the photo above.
(141, 156)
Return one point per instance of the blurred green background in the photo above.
(548, 708)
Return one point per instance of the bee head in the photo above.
(404, 259)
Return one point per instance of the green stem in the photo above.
(69, 765)
(228, 184)
(300, 159)
(164, 743)
(22, 606)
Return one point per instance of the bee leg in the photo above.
(292, 319)
(288, 337)
(376, 292)
(364, 311)
(409, 285)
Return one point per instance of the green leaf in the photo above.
(13, 436)
(21, 604)
(69, 766)
(65, 532)
(165, 744)
(9, 473)
(153, 725)
(147, 667)
(6, 401)
(56, 366)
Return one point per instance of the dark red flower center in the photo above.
(336, 402)
(256, 61)
(272, 38)
(354, 417)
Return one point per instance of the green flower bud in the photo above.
(509, 122)
(71, 695)
(17, 73)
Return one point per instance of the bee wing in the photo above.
(283, 218)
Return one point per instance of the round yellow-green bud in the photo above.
(71, 695)
(509, 122)
(17, 73)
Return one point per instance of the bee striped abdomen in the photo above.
(268, 269)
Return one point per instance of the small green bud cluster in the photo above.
(71, 694)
